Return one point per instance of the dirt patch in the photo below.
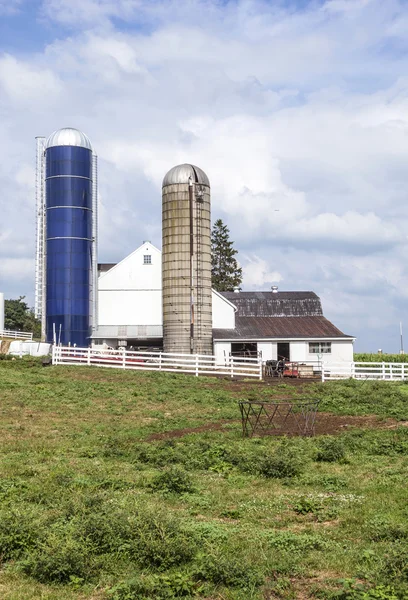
(326, 423)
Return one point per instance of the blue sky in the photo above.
(297, 106)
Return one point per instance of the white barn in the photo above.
(289, 324)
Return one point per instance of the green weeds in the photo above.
(93, 505)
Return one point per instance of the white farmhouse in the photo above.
(278, 324)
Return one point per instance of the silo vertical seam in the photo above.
(95, 242)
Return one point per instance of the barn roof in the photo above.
(275, 304)
(275, 327)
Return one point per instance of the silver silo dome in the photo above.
(68, 136)
(186, 260)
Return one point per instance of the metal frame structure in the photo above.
(40, 283)
(279, 418)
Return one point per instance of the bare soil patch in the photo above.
(326, 423)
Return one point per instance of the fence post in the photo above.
(402, 371)
(390, 370)
(232, 366)
(160, 361)
(53, 356)
(124, 359)
(353, 370)
(260, 368)
(89, 357)
(383, 370)
(322, 368)
(196, 365)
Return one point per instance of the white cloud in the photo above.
(24, 82)
(257, 272)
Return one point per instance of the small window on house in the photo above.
(147, 259)
(319, 347)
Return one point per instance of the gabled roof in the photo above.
(275, 327)
(275, 304)
(128, 257)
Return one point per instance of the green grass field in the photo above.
(100, 499)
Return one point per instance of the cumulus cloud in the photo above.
(257, 272)
(299, 117)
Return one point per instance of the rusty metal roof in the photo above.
(279, 304)
(278, 327)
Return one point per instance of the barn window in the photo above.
(319, 347)
(147, 259)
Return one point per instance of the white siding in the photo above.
(299, 352)
(223, 312)
(268, 349)
(222, 351)
(131, 293)
(341, 350)
(130, 307)
(132, 274)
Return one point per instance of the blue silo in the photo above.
(69, 237)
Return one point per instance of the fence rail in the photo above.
(365, 370)
(16, 335)
(197, 364)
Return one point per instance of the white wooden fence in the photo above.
(16, 335)
(197, 364)
(365, 370)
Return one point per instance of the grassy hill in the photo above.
(129, 485)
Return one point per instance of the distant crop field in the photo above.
(390, 358)
(120, 485)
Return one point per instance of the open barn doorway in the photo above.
(284, 351)
(245, 349)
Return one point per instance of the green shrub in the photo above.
(160, 587)
(380, 528)
(222, 569)
(306, 505)
(330, 449)
(160, 541)
(288, 541)
(175, 480)
(106, 530)
(285, 462)
(59, 559)
(18, 533)
(322, 509)
(352, 590)
(395, 564)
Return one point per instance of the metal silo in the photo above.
(186, 261)
(66, 236)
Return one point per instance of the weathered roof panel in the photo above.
(276, 327)
(279, 304)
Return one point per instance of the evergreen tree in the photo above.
(226, 273)
(19, 317)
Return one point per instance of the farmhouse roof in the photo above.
(276, 327)
(104, 267)
(275, 304)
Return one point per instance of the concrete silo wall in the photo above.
(177, 265)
